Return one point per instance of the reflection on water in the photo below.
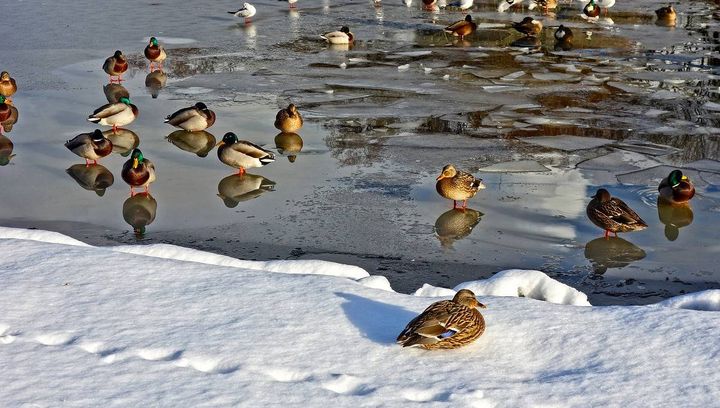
(674, 216)
(289, 144)
(455, 224)
(155, 81)
(123, 140)
(612, 252)
(7, 124)
(529, 42)
(6, 150)
(200, 143)
(139, 211)
(236, 188)
(113, 92)
(93, 177)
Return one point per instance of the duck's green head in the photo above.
(125, 100)
(676, 177)
(118, 54)
(2, 99)
(137, 158)
(5, 160)
(229, 139)
(154, 41)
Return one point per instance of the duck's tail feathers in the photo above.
(267, 160)
(93, 119)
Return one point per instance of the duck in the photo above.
(155, 81)
(447, 324)
(462, 28)
(194, 119)
(233, 189)
(95, 178)
(155, 53)
(676, 188)
(457, 185)
(563, 34)
(139, 211)
(242, 154)
(528, 26)
(115, 114)
(612, 214)
(591, 9)
(8, 86)
(291, 3)
(90, 146)
(545, 5)
(454, 225)
(114, 92)
(115, 66)
(666, 13)
(6, 150)
(247, 12)
(138, 172)
(429, 4)
(289, 144)
(463, 5)
(605, 4)
(8, 115)
(344, 36)
(288, 120)
(124, 141)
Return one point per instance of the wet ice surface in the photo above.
(618, 110)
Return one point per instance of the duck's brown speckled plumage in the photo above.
(7, 84)
(529, 26)
(447, 324)
(666, 13)
(457, 185)
(288, 120)
(612, 214)
(462, 28)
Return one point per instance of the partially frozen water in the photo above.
(543, 125)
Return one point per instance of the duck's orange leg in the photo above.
(114, 128)
(607, 234)
(147, 190)
(241, 171)
(132, 192)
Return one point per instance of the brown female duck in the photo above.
(8, 87)
(288, 120)
(462, 28)
(529, 26)
(447, 324)
(457, 185)
(612, 214)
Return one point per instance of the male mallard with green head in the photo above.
(457, 185)
(591, 9)
(155, 53)
(115, 114)
(612, 214)
(6, 110)
(138, 172)
(242, 154)
(288, 120)
(447, 324)
(90, 146)
(194, 119)
(676, 188)
(115, 66)
(8, 87)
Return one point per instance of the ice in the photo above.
(618, 162)
(566, 142)
(172, 40)
(193, 90)
(712, 106)
(653, 175)
(519, 166)
(513, 76)
(555, 76)
(707, 300)
(640, 146)
(628, 88)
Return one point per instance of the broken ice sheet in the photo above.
(620, 161)
(647, 148)
(519, 166)
(620, 86)
(555, 76)
(513, 76)
(653, 175)
(566, 143)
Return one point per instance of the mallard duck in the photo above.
(6, 150)
(454, 225)
(124, 141)
(666, 13)
(612, 214)
(155, 53)
(233, 189)
(195, 118)
(139, 211)
(8, 87)
(247, 12)
(545, 5)
(529, 26)
(674, 216)
(676, 188)
(446, 324)
(289, 144)
(605, 4)
(288, 120)
(591, 9)
(344, 36)
(115, 92)
(462, 28)
(95, 178)
(242, 154)
(115, 66)
(563, 34)
(429, 4)
(8, 115)
(138, 172)
(200, 142)
(461, 4)
(155, 81)
(90, 146)
(457, 185)
(115, 114)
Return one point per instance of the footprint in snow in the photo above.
(424, 395)
(284, 374)
(6, 337)
(159, 354)
(56, 339)
(347, 385)
(210, 365)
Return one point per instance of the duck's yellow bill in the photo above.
(684, 178)
(135, 163)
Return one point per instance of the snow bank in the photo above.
(308, 267)
(86, 326)
(39, 235)
(516, 283)
(706, 300)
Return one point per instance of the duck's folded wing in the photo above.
(108, 110)
(251, 149)
(181, 116)
(625, 214)
(455, 26)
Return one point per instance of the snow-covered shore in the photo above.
(168, 326)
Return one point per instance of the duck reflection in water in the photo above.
(113, 92)
(527, 42)
(6, 150)
(289, 144)
(94, 177)
(139, 211)
(612, 252)
(8, 117)
(124, 141)
(674, 216)
(155, 82)
(236, 188)
(456, 224)
(200, 142)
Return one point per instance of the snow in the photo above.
(90, 326)
(707, 300)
